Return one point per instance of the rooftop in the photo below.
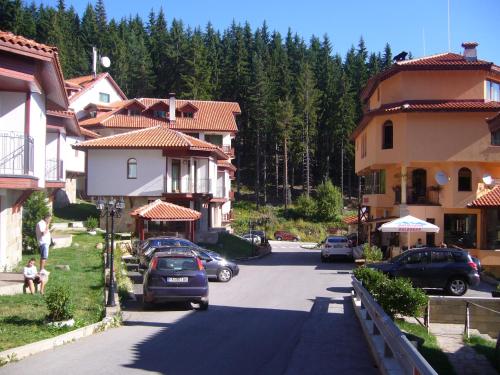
(165, 211)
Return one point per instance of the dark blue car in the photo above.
(175, 277)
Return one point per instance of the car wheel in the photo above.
(224, 275)
(203, 305)
(278, 238)
(295, 239)
(456, 286)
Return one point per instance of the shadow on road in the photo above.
(297, 258)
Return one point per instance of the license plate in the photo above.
(177, 279)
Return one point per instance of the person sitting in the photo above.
(419, 243)
(32, 277)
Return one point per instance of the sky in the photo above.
(419, 26)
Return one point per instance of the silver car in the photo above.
(336, 247)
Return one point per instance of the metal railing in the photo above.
(53, 170)
(396, 344)
(428, 197)
(16, 154)
(228, 150)
(185, 185)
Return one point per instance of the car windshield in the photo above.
(337, 239)
(177, 264)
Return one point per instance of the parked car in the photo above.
(218, 267)
(336, 247)
(282, 235)
(163, 241)
(450, 269)
(261, 234)
(175, 277)
(255, 239)
(146, 256)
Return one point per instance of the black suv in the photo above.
(449, 269)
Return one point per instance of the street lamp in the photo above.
(112, 208)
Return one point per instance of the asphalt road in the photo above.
(286, 313)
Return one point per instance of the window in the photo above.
(188, 114)
(93, 114)
(103, 97)
(460, 230)
(416, 258)
(215, 139)
(131, 168)
(375, 182)
(464, 179)
(161, 114)
(442, 257)
(493, 91)
(363, 145)
(194, 135)
(176, 176)
(495, 138)
(387, 135)
(134, 112)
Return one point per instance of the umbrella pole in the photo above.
(409, 240)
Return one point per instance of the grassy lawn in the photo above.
(22, 316)
(428, 347)
(80, 211)
(483, 346)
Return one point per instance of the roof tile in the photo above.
(160, 210)
(26, 44)
(490, 199)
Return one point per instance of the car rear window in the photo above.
(177, 264)
(337, 239)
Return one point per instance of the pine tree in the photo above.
(286, 119)
(196, 76)
(387, 57)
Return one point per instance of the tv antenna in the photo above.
(103, 60)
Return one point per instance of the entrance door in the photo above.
(430, 238)
(419, 184)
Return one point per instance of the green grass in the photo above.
(231, 246)
(22, 317)
(483, 346)
(80, 211)
(428, 347)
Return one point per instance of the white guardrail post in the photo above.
(396, 344)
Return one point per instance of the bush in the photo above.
(34, 209)
(329, 202)
(306, 207)
(372, 254)
(58, 301)
(91, 223)
(395, 296)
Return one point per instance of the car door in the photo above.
(440, 268)
(414, 266)
(209, 263)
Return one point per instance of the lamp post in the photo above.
(112, 208)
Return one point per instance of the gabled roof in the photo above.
(490, 199)
(165, 211)
(442, 61)
(85, 83)
(159, 137)
(427, 106)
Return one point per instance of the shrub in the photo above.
(305, 207)
(329, 202)
(91, 223)
(58, 301)
(372, 254)
(34, 209)
(373, 280)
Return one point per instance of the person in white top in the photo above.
(44, 239)
(32, 277)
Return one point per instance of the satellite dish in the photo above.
(487, 179)
(105, 61)
(441, 178)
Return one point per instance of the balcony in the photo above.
(16, 154)
(228, 150)
(187, 185)
(54, 170)
(427, 197)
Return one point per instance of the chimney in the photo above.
(470, 52)
(171, 107)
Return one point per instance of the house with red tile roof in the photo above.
(428, 146)
(36, 127)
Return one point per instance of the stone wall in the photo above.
(452, 310)
(126, 223)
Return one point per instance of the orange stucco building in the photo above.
(428, 141)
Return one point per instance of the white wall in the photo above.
(51, 146)
(92, 96)
(107, 173)
(12, 111)
(74, 160)
(10, 230)
(38, 128)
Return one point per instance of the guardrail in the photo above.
(396, 344)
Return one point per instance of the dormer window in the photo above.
(160, 114)
(93, 114)
(103, 97)
(188, 114)
(492, 91)
(134, 112)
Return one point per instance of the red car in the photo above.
(281, 235)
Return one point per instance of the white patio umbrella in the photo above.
(409, 224)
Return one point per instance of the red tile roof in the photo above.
(210, 116)
(26, 45)
(442, 61)
(85, 83)
(165, 211)
(88, 133)
(159, 137)
(427, 106)
(226, 164)
(490, 199)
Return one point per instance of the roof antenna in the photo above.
(104, 60)
(449, 27)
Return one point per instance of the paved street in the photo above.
(284, 314)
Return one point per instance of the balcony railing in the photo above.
(226, 218)
(16, 154)
(228, 150)
(428, 197)
(53, 170)
(186, 185)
